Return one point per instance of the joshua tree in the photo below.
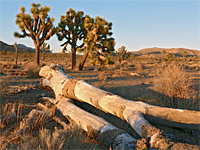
(98, 41)
(16, 52)
(122, 54)
(44, 48)
(39, 27)
(72, 29)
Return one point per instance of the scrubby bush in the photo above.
(175, 84)
(140, 66)
(122, 54)
(33, 70)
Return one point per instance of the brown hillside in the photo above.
(21, 47)
(176, 51)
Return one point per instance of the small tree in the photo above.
(122, 54)
(72, 29)
(39, 27)
(98, 42)
(44, 48)
(16, 52)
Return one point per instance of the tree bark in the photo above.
(37, 55)
(83, 60)
(73, 57)
(95, 126)
(64, 85)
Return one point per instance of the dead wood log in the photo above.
(63, 85)
(132, 112)
(156, 138)
(95, 126)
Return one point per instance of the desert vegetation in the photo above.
(148, 99)
(39, 28)
(156, 81)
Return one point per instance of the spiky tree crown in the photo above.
(122, 50)
(98, 41)
(71, 26)
(45, 47)
(39, 27)
(98, 37)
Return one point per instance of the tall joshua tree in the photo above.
(71, 28)
(98, 42)
(39, 27)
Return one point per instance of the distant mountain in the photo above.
(21, 47)
(176, 51)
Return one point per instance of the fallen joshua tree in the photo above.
(134, 113)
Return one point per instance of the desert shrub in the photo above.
(4, 82)
(122, 54)
(175, 84)
(103, 76)
(33, 70)
(140, 66)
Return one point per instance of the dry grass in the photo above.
(10, 66)
(4, 83)
(29, 131)
(33, 70)
(140, 66)
(174, 83)
(72, 138)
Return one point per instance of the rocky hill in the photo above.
(21, 47)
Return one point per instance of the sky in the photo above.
(137, 24)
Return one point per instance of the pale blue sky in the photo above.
(136, 24)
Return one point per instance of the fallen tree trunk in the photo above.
(63, 85)
(95, 126)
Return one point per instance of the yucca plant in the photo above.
(39, 27)
(71, 29)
